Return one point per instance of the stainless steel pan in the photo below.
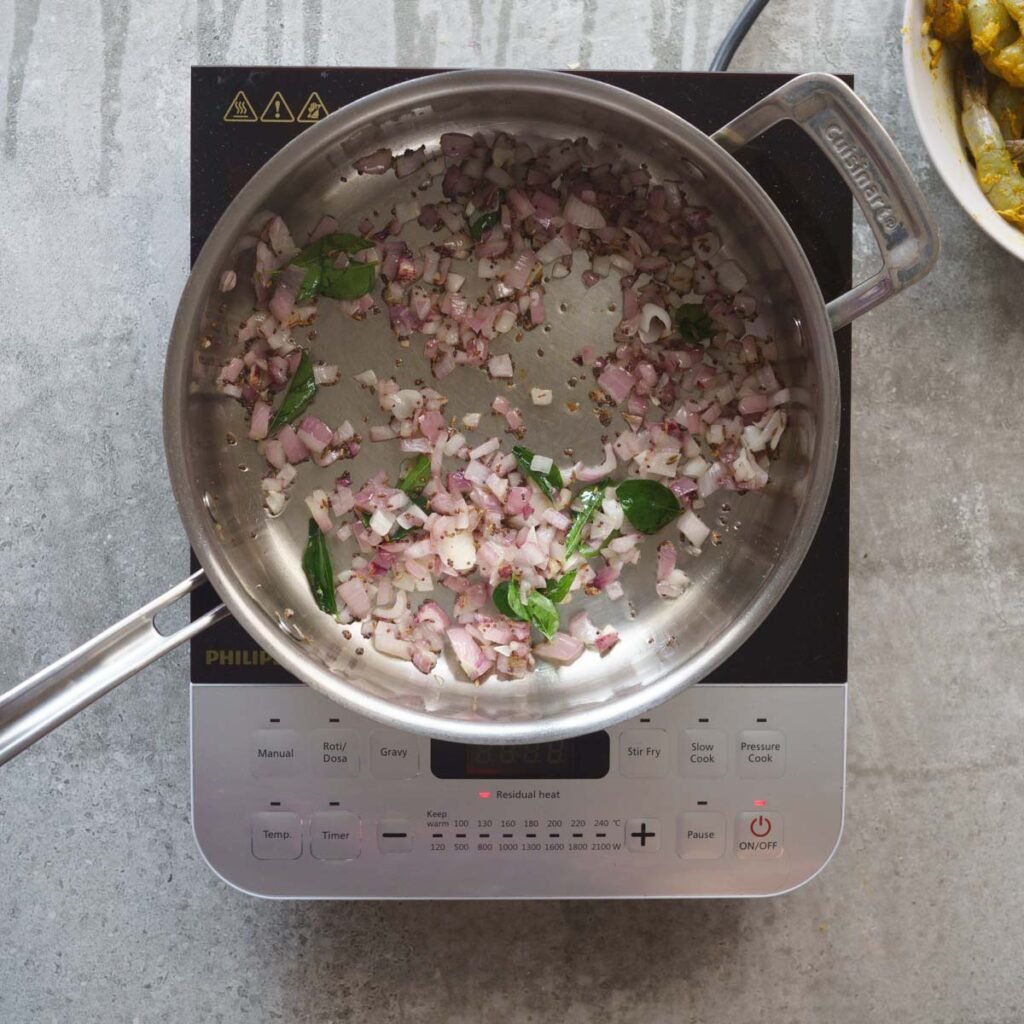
(254, 562)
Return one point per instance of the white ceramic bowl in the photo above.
(935, 109)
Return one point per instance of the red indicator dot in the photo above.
(760, 803)
(484, 794)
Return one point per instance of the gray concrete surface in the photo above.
(107, 912)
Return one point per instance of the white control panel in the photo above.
(723, 791)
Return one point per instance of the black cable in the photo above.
(736, 34)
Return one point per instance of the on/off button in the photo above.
(759, 834)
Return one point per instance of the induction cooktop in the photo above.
(733, 788)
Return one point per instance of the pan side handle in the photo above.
(53, 695)
(867, 159)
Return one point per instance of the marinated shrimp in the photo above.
(998, 175)
(990, 87)
(996, 37)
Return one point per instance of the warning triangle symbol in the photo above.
(277, 110)
(313, 109)
(240, 109)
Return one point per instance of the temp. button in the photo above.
(394, 755)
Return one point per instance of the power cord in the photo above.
(736, 34)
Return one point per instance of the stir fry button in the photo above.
(643, 753)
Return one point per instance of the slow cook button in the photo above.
(276, 835)
(761, 754)
(334, 835)
(274, 752)
(759, 834)
(394, 755)
(335, 752)
(701, 835)
(702, 754)
(643, 753)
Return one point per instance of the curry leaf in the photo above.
(589, 500)
(324, 278)
(351, 282)
(550, 482)
(693, 322)
(507, 601)
(647, 504)
(301, 391)
(316, 564)
(417, 476)
(543, 614)
(557, 590)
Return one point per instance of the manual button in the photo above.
(761, 754)
(274, 752)
(643, 753)
(394, 755)
(759, 834)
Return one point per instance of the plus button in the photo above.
(643, 835)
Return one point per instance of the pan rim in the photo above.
(201, 530)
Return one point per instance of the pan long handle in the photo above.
(866, 157)
(38, 705)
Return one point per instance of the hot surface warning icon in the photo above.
(240, 109)
(312, 110)
(277, 110)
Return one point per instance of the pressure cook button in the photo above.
(274, 752)
(334, 835)
(394, 755)
(759, 834)
(643, 753)
(276, 835)
(701, 835)
(702, 754)
(335, 752)
(643, 835)
(394, 836)
(761, 754)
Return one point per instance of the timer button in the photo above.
(334, 835)
(643, 753)
(394, 755)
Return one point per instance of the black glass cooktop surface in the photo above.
(242, 116)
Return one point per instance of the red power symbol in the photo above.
(760, 826)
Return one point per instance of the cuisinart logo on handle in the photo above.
(860, 172)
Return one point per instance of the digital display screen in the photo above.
(580, 757)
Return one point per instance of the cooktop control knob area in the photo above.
(725, 790)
